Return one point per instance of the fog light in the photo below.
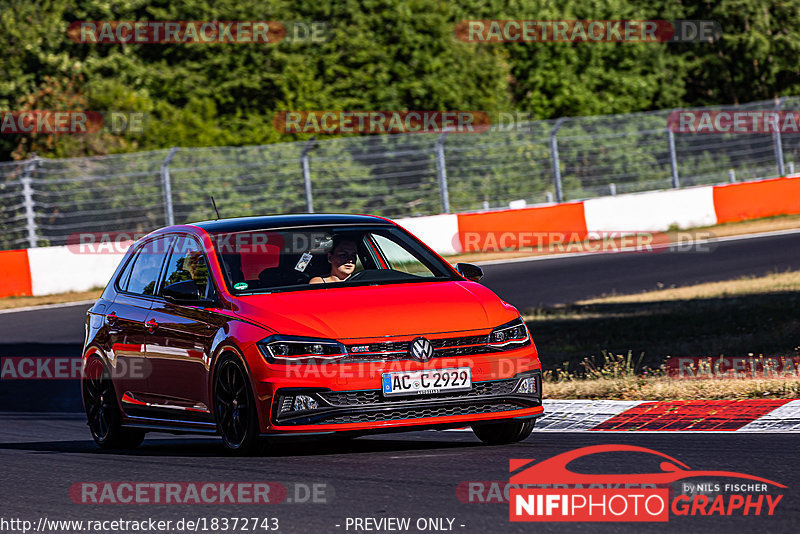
(304, 402)
(285, 404)
(527, 385)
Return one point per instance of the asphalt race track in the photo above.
(565, 279)
(526, 284)
(400, 475)
(403, 475)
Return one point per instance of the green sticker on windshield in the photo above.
(240, 285)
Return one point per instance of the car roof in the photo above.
(241, 224)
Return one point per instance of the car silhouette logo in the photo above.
(421, 349)
(554, 470)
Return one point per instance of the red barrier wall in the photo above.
(15, 274)
(507, 228)
(752, 200)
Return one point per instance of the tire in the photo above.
(235, 408)
(102, 412)
(504, 432)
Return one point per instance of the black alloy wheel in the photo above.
(234, 407)
(102, 412)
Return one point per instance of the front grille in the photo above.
(420, 413)
(367, 397)
(398, 350)
(456, 341)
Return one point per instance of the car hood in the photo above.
(376, 311)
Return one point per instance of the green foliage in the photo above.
(382, 55)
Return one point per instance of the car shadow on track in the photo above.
(284, 448)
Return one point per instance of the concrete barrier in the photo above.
(49, 270)
(61, 269)
(440, 232)
(651, 212)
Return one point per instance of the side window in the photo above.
(187, 262)
(125, 275)
(147, 266)
(399, 258)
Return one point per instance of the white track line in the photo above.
(49, 306)
(785, 418)
(568, 415)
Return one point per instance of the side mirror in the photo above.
(469, 271)
(185, 292)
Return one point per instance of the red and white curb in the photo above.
(750, 415)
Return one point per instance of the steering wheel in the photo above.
(356, 276)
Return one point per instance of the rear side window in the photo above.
(146, 267)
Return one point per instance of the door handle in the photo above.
(111, 318)
(152, 325)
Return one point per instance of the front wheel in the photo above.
(235, 408)
(503, 432)
(102, 413)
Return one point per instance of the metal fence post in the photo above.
(31, 164)
(441, 169)
(166, 185)
(555, 160)
(304, 164)
(776, 136)
(732, 176)
(673, 158)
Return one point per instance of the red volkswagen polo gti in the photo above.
(302, 324)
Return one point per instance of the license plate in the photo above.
(427, 381)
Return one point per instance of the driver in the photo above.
(342, 258)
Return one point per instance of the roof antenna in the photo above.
(215, 206)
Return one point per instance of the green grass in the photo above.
(762, 323)
(616, 347)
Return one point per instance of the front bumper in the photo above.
(368, 410)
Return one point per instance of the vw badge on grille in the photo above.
(421, 349)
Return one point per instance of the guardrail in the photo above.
(58, 269)
(44, 201)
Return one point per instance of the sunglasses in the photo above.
(344, 256)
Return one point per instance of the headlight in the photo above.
(509, 336)
(291, 349)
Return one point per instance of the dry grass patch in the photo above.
(772, 283)
(664, 388)
(737, 318)
(622, 377)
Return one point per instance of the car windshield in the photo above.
(293, 259)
